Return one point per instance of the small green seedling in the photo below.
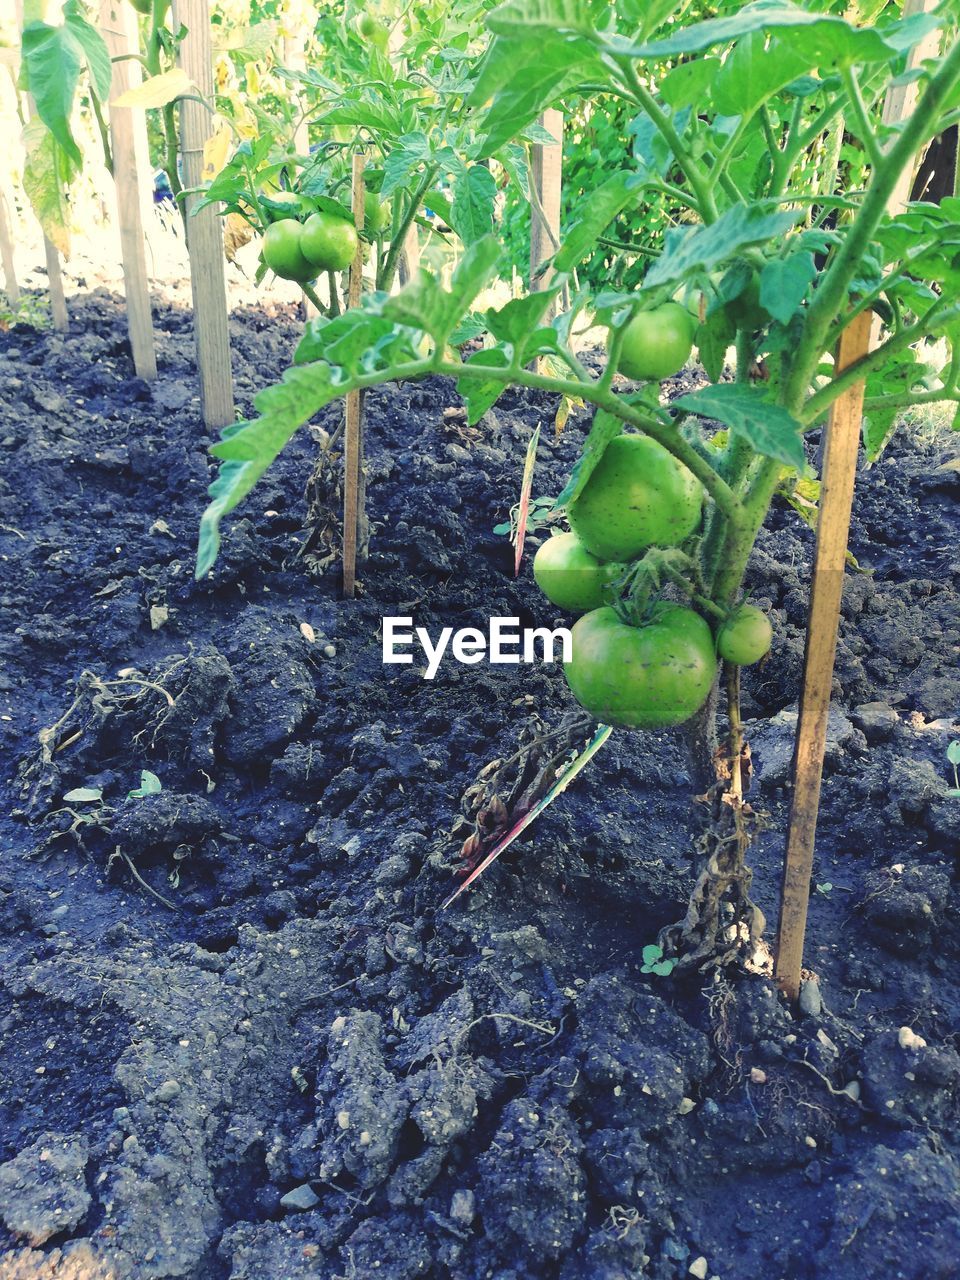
(826, 888)
(953, 755)
(538, 516)
(150, 785)
(653, 961)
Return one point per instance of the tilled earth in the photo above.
(295, 1065)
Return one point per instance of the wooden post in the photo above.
(117, 18)
(833, 525)
(204, 231)
(546, 179)
(353, 425)
(6, 254)
(841, 446)
(58, 301)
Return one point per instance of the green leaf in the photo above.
(754, 72)
(770, 429)
(47, 172)
(784, 283)
(713, 339)
(523, 77)
(424, 305)
(471, 213)
(701, 248)
(480, 394)
(651, 954)
(593, 215)
(953, 752)
(604, 429)
(543, 17)
(664, 968)
(824, 40)
(95, 51)
(83, 795)
(157, 91)
(404, 160)
(150, 785)
(690, 84)
(52, 58)
(517, 319)
(248, 448)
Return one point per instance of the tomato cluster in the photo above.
(659, 673)
(300, 251)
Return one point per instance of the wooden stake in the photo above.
(841, 445)
(117, 23)
(6, 255)
(833, 525)
(353, 425)
(205, 233)
(546, 178)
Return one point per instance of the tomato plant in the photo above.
(765, 126)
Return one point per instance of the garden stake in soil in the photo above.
(6, 255)
(833, 527)
(205, 235)
(353, 424)
(116, 22)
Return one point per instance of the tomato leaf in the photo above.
(784, 283)
(605, 428)
(689, 249)
(594, 215)
(713, 339)
(83, 795)
(825, 40)
(471, 213)
(770, 429)
(480, 394)
(524, 76)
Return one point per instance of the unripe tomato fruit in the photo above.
(329, 242)
(143, 6)
(570, 577)
(647, 677)
(374, 213)
(283, 254)
(745, 637)
(638, 496)
(657, 343)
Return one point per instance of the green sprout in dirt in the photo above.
(774, 253)
(953, 757)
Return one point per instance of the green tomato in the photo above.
(329, 242)
(143, 6)
(570, 577)
(648, 677)
(657, 343)
(375, 213)
(745, 637)
(368, 28)
(282, 252)
(638, 496)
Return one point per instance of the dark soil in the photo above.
(302, 1069)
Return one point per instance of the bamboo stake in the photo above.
(6, 254)
(546, 177)
(353, 422)
(117, 22)
(204, 230)
(841, 446)
(833, 525)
